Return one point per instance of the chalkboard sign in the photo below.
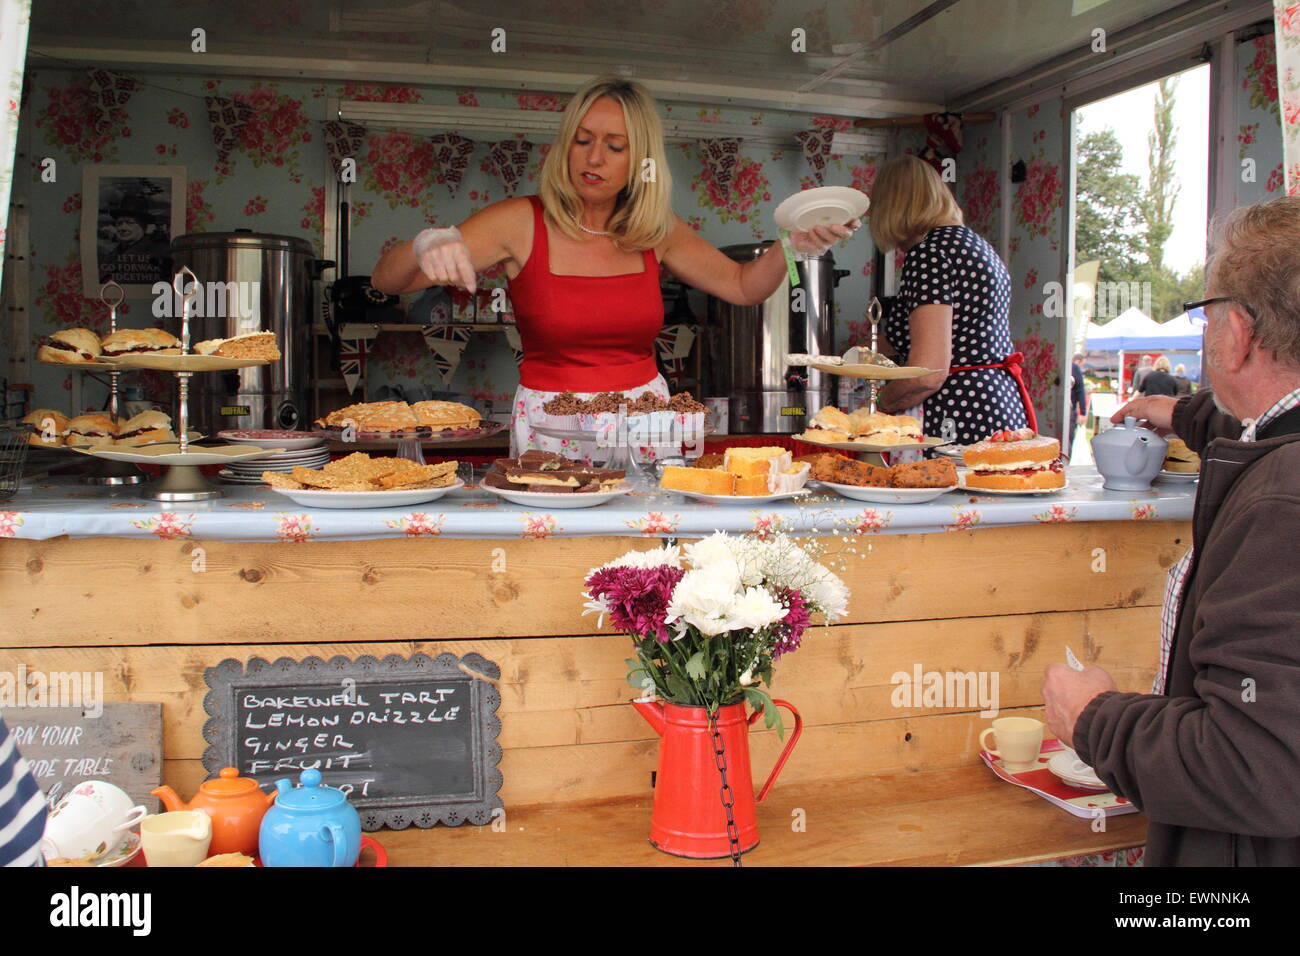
(65, 746)
(411, 741)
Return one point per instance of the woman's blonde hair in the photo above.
(907, 201)
(643, 215)
(1162, 364)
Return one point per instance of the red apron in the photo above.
(1013, 363)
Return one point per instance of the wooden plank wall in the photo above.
(1004, 601)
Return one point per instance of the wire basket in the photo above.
(13, 456)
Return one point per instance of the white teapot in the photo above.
(1128, 456)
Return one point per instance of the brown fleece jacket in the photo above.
(1215, 764)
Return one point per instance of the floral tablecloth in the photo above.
(61, 506)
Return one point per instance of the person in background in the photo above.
(1078, 402)
(951, 313)
(1158, 381)
(1181, 380)
(1212, 755)
(22, 807)
(1143, 370)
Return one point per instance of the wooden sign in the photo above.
(411, 741)
(64, 746)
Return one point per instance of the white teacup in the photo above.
(90, 821)
(177, 838)
(1019, 740)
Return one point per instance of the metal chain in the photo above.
(725, 791)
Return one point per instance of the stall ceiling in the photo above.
(940, 49)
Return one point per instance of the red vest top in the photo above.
(585, 333)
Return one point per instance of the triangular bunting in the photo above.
(446, 342)
(675, 341)
(343, 140)
(720, 157)
(509, 161)
(516, 345)
(816, 145)
(109, 94)
(450, 159)
(228, 118)
(354, 344)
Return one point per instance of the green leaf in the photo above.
(695, 666)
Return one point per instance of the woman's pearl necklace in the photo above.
(593, 232)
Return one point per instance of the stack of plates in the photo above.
(250, 472)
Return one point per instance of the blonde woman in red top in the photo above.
(582, 257)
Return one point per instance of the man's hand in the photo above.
(1157, 409)
(1066, 692)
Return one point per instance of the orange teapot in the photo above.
(236, 805)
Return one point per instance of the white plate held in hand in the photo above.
(823, 206)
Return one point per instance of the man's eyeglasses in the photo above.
(1196, 310)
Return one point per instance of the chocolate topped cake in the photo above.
(546, 471)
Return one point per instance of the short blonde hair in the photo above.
(1256, 260)
(1162, 364)
(643, 214)
(907, 201)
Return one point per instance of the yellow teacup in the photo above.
(177, 838)
(1019, 740)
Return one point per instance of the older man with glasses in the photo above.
(1212, 755)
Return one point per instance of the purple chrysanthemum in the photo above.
(638, 598)
(789, 633)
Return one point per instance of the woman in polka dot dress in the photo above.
(951, 311)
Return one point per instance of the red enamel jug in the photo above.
(689, 818)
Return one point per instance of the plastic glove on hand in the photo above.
(443, 256)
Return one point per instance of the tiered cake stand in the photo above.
(875, 374)
(181, 480)
(106, 472)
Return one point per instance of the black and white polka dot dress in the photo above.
(954, 265)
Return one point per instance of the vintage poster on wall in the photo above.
(129, 216)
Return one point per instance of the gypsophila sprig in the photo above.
(707, 620)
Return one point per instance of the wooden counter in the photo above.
(1003, 600)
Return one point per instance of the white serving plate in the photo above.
(1177, 476)
(193, 435)
(866, 446)
(188, 363)
(888, 496)
(881, 373)
(961, 485)
(738, 499)
(1063, 764)
(545, 499)
(823, 206)
(365, 499)
(951, 451)
(94, 364)
(241, 436)
(170, 454)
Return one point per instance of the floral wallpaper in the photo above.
(1034, 252)
(272, 181)
(1287, 33)
(1259, 131)
(15, 16)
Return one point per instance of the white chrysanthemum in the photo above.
(668, 556)
(754, 610)
(716, 547)
(828, 594)
(704, 596)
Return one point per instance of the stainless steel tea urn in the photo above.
(767, 395)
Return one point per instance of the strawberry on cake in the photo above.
(1015, 461)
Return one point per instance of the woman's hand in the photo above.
(818, 239)
(443, 256)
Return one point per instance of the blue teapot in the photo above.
(310, 825)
